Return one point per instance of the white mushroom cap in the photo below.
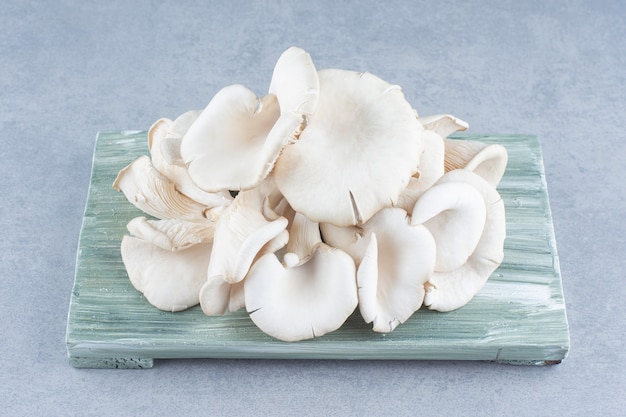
(350, 239)
(170, 280)
(172, 234)
(488, 161)
(453, 289)
(229, 146)
(295, 82)
(432, 165)
(302, 300)
(454, 212)
(177, 131)
(443, 124)
(430, 170)
(241, 232)
(394, 260)
(304, 236)
(164, 138)
(305, 301)
(235, 141)
(170, 135)
(155, 194)
(355, 155)
(398, 260)
(217, 297)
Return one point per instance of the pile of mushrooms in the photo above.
(328, 193)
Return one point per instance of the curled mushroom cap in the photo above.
(394, 260)
(170, 280)
(449, 290)
(301, 298)
(488, 161)
(241, 232)
(454, 212)
(356, 153)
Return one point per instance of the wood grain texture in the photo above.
(519, 316)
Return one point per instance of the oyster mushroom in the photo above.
(430, 170)
(295, 83)
(450, 289)
(488, 161)
(170, 280)
(172, 235)
(454, 212)
(220, 295)
(432, 167)
(217, 296)
(443, 124)
(241, 232)
(306, 297)
(166, 260)
(394, 258)
(235, 141)
(164, 137)
(356, 153)
(169, 134)
(155, 194)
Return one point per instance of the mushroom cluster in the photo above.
(328, 193)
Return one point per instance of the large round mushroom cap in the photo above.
(356, 153)
(304, 301)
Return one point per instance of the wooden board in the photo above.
(518, 317)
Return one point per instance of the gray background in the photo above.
(71, 69)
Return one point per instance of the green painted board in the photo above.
(518, 317)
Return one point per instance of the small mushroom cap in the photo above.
(350, 239)
(490, 163)
(356, 153)
(241, 233)
(181, 125)
(304, 236)
(170, 280)
(217, 297)
(453, 289)
(170, 134)
(304, 301)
